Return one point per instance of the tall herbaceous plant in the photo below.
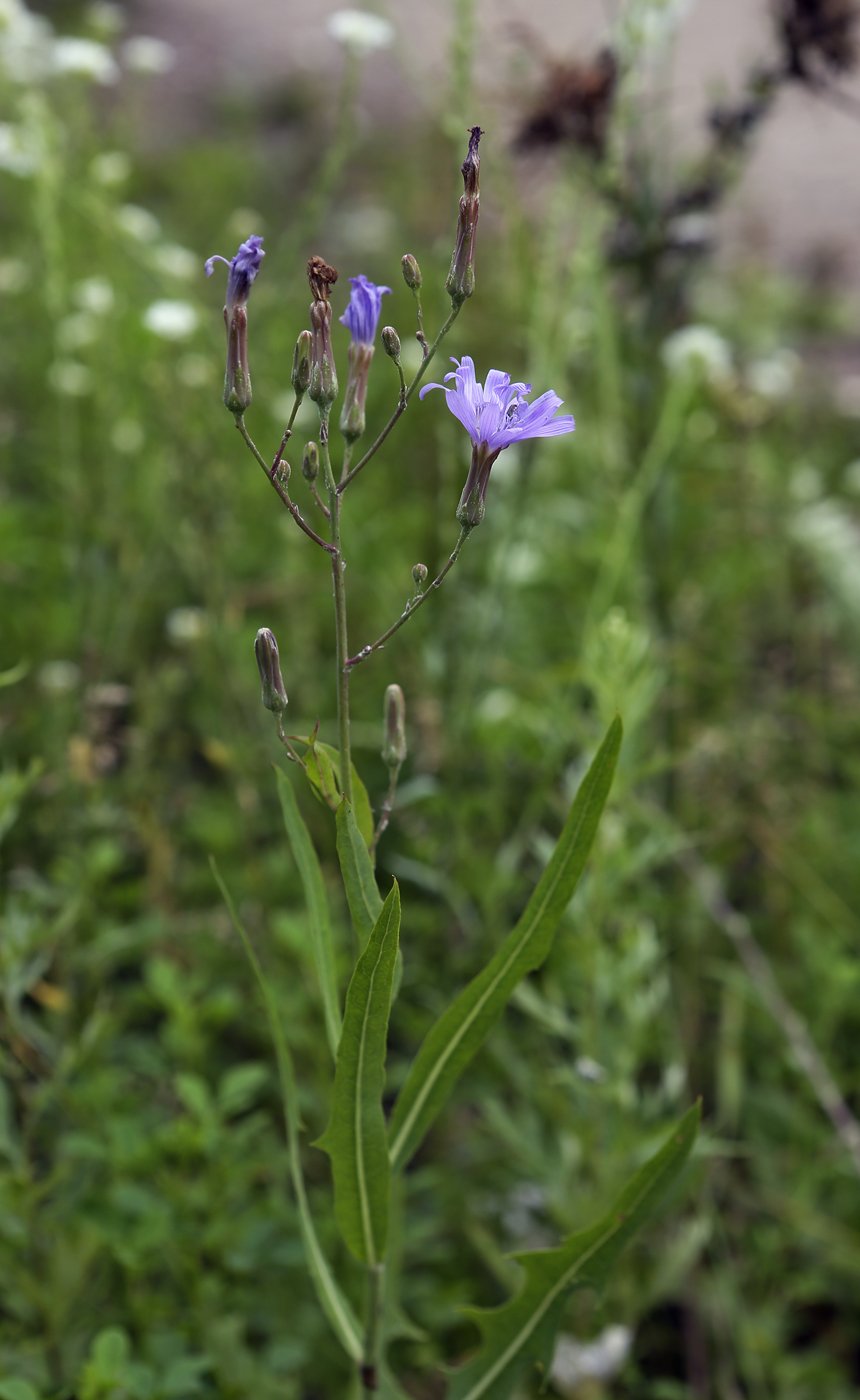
(365, 1151)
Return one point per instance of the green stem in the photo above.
(403, 401)
(372, 1331)
(339, 612)
(277, 482)
(414, 603)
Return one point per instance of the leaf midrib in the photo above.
(366, 1223)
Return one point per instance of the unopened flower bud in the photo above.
(461, 278)
(268, 662)
(243, 269)
(391, 343)
(311, 462)
(323, 383)
(301, 374)
(419, 574)
(411, 272)
(394, 742)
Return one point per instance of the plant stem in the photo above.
(279, 486)
(388, 806)
(373, 1317)
(402, 401)
(414, 603)
(339, 612)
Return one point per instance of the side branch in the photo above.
(412, 606)
(277, 481)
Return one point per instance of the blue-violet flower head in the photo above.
(361, 317)
(243, 269)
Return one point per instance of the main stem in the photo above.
(334, 502)
(373, 1317)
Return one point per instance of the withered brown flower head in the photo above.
(575, 105)
(818, 34)
(320, 277)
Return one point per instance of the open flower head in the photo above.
(361, 317)
(243, 269)
(495, 415)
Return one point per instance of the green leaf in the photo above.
(312, 882)
(462, 1029)
(362, 893)
(522, 1332)
(336, 1308)
(323, 771)
(355, 1138)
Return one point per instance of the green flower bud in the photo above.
(391, 343)
(419, 574)
(301, 373)
(394, 740)
(311, 462)
(269, 665)
(411, 272)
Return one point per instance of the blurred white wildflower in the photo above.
(70, 378)
(186, 625)
(698, 349)
(14, 275)
(850, 477)
(94, 294)
(26, 43)
(589, 1070)
(105, 17)
(138, 223)
(86, 58)
(76, 330)
(16, 150)
(806, 485)
(775, 376)
(497, 705)
(127, 436)
(600, 1360)
(172, 320)
(57, 677)
(176, 261)
(830, 536)
(360, 32)
(146, 54)
(110, 167)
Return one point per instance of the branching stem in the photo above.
(413, 605)
(277, 482)
(337, 567)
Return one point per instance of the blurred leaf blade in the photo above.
(362, 892)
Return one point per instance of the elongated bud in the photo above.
(237, 377)
(394, 742)
(419, 574)
(269, 664)
(301, 375)
(311, 462)
(323, 384)
(391, 343)
(461, 278)
(411, 272)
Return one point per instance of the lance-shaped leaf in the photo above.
(463, 1028)
(323, 772)
(522, 1332)
(312, 883)
(362, 892)
(355, 1138)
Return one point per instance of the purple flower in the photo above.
(243, 269)
(365, 306)
(495, 415)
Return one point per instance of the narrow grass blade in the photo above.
(332, 1301)
(462, 1029)
(312, 882)
(362, 892)
(522, 1332)
(355, 1138)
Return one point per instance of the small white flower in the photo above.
(127, 436)
(70, 378)
(698, 349)
(26, 42)
(186, 625)
(172, 320)
(94, 294)
(110, 167)
(138, 223)
(57, 677)
(146, 54)
(176, 261)
(589, 1070)
(86, 58)
(360, 32)
(75, 331)
(16, 153)
(14, 275)
(600, 1360)
(775, 376)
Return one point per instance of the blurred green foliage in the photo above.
(148, 1238)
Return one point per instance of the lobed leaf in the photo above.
(312, 883)
(523, 1331)
(362, 892)
(355, 1138)
(462, 1029)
